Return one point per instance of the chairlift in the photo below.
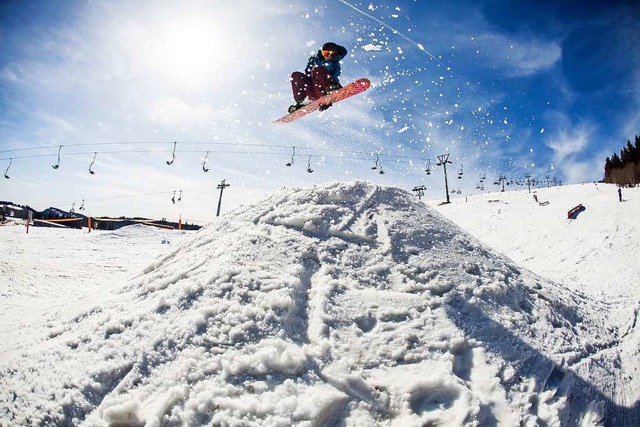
(173, 199)
(57, 165)
(460, 172)
(378, 165)
(204, 163)
(309, 170)
(91, 165)
(82, 205)
(428, 167)
(173, 155)
(72, 210)
(483, 176)
(293, 155)
(375, 166)
(180, 196)
(6, 172)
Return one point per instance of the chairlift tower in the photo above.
(221, 187)
(443, 159)
(419, 190)
(528, 176)
(502, 179)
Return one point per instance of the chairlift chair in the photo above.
(173, 155)
(204, 163)
(292, 157)
(375, 166)
(91, 171)
(57, 165)
(6, 172)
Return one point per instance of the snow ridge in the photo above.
(341, 303)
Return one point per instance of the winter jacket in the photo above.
(332, 65)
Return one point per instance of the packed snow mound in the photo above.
(345, 303)
(135, 231)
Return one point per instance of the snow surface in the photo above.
(344, 303)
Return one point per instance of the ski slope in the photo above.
(338, 304)
(584, 254)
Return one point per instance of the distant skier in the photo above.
(320, 77)
(620, 193)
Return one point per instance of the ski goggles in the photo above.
(327, 53)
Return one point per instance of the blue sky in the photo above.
(505, 87)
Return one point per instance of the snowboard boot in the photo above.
(299, 104)
(295, 107)
(333, 87)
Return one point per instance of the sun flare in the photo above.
(190, 51)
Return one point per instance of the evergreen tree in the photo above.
(635, 149)
(624, 169)
(626, 153)
(616, 163)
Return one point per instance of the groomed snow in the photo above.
(344, 303)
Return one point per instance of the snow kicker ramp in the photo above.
(341, 304)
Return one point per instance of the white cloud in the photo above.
(176, 112)
(10, 73)
(56, 124)
(569, 142)
(577, 171)
(572, 155)
(516, 58)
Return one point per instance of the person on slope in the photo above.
(320, 77)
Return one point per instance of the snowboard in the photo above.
(345, 92)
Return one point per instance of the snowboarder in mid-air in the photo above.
(318, 88)
(320, 77)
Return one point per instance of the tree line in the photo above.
(624, 169)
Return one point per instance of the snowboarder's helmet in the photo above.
(330, 46)
(337, 50)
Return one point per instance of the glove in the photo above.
(324, 107)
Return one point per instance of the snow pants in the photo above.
(310, 86)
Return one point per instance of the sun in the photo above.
(190, 50)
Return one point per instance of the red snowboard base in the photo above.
(349, 90)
